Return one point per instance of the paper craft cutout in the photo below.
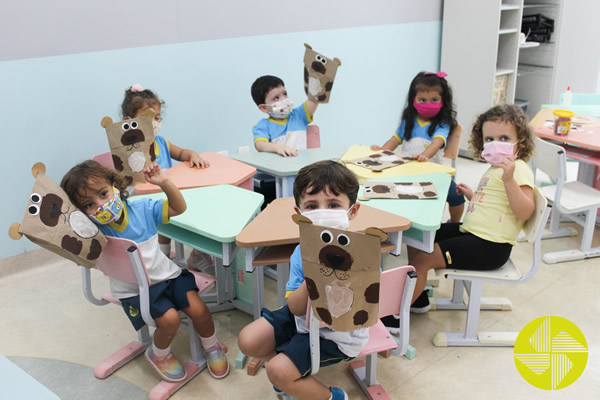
(399, 190)
(54, 223)
(341, 270)
(132, 145)
(319, 74)
(379, 161)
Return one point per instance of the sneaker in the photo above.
(202, 262)
(392, 324)
(421, 304)
(338, 394)
(168, 367)
(217, 362)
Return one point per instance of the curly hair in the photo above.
(134, 101)
(76, 181)
(422, 82)
(507, 113)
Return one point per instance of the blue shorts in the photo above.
(454, 199)
(297, 345)
(163, 296)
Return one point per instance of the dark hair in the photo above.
(262, 86)
(76, 181)
(447, 115)
(327, 174)
(134, 101)
(509, 114)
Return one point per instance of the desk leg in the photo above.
(278, 187)
(283, 274)
(396, 239)
(258, 290)
(179, 254)
(426, 244)
(287, 186)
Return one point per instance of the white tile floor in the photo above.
(51, 331)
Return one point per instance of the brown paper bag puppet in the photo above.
(341, 270)
(399, 190)
(319, 73)
(132, 145)
(380, 161)
(54, 223)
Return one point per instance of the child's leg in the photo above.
(284, 375)
(159, 354)
(423, 262)
(456, 203)
(167, 326)
(165, 245)
(257, 339)
(456, 212)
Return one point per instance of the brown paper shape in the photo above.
(341, 270)
(377, 162)
(319, 74)
(399, 190)
(131, 143)
(54, 223)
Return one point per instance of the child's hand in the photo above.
(155, 175)
(197, 161)
(461, 188)
(375, 147)
(420, 157)
(508, 167)
(285, 150)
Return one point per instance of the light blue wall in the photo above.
(51, 107)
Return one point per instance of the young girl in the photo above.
(427, 120)
(100, 193)
(497, 209)
(137, 100)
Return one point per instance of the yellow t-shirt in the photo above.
(489, 215)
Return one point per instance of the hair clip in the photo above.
(136, 88)
(439, 74)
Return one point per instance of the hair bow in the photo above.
(439, 74)
(137, 88)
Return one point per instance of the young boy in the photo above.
(326, 193)
(284, 132)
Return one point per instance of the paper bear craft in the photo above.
(319, 74)
(54, 223)
(341, 270)
(399, 190)
(132, 145)
(380, 161)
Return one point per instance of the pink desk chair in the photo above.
(105, 159)
(121, 259)
(313, 137)
(395, 294)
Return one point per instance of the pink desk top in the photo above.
(222, 171)
(586, 135)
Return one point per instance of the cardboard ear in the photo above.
(149, 113)
(297, 218)
(38, 168)
(337, 61)
(105, 121)
(307, 46)
(377, 232)
(13, 231)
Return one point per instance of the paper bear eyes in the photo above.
(327, 237)
(321, 59)
(35, 198)
(33, 209)
(368, 189)
(343, 239)
(127, 125)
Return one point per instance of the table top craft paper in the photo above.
(319, 74)
(54, 223)
(399, 190)
(132, 145)
(341, 270)
(380, 161)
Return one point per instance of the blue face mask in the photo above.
(109, 211)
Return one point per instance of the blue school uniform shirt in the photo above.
(269, 130)
(420, 138)
(162, 152)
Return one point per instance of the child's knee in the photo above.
(281, 370)
(169, 321)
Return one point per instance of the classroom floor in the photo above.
(52, 332)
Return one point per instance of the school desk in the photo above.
(285, 169)
(215, 215)
(222, 171)
(272, 236)
(410, 168)
(592, 110)
(425, 215)
(18, 384)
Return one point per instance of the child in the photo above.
(100, 193)
(497, 210)
(326, 193)
(284, 132)
(137, 100)
(427, 120)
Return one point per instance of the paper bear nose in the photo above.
(335, 257)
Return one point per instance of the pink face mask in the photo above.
(494, 152)
(428, 110)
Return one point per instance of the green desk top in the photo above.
(276, 165)
(215, 212)
(425, 214)
(592, 110)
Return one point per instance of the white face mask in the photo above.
(331, 218)
(156, 126)
(281, 109)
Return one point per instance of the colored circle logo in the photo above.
(550, 353)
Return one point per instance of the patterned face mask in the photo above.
(281, 109)
(109, 211)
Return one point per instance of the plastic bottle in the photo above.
(567, 97)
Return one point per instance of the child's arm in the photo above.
(461, 188)
(181, 154)
(430, 151)
(520, 198)
(297, 300)
(156, 175)
(311, 106)
(281, 149)
(391, 145)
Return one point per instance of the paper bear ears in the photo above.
(301, 219)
